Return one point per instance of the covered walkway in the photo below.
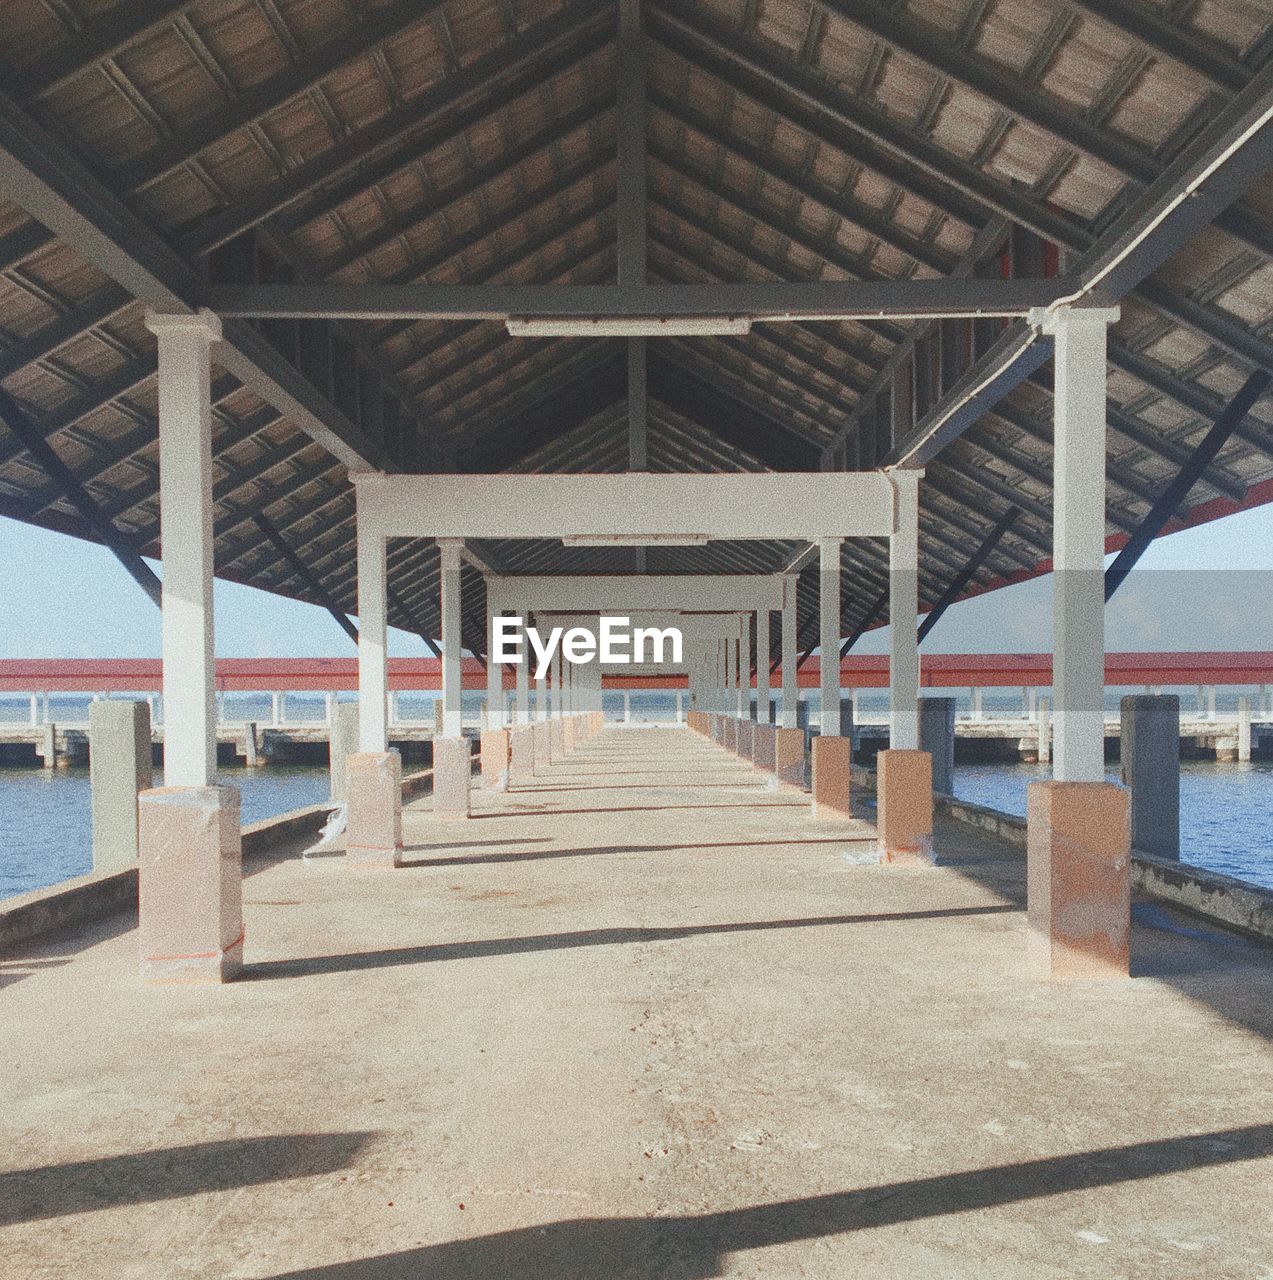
(640, 1016)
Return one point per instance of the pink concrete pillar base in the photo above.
(832, 769)
(495, 757)
(1078, 879)
(789, 756)
(190, 896)
(521, 751)
(762, 746)
(373, 833)
(904, 792)
(452, 777)
(542, 756)
(746, 736)
(729, 734)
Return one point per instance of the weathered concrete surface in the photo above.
(644, 1019)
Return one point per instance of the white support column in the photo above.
(1078, 542)
(449, 550)
(742, 667)
(373, 667)
(829, 633)
(541, 695)
(764, 712)
(35, 708)
(523, 677)
(731, 674)
(789, 693)
(494, 671)
(185, 518)
(903, 614)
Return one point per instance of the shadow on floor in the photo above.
(486, 947)
(544, 855)
(473, 844)
(82, 1186)
(695, 1246)
(633, 808)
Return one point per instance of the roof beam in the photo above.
(1169, 37)
(259, 100)
(56, 189)
(100, 38)
(299, 568)
(768, 301)
(961, 580)
(61, 475)
(1173, 497)
(392, 142)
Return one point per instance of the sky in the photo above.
(1205, 588)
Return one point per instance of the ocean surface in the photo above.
(1226, 810)
(45, 833)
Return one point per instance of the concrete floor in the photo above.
(644, 1019)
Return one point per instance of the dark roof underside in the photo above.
(474, 141)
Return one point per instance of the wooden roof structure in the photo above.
(158, 150)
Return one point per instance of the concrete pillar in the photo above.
(523, 681)
(1045, 730)
(1211, 702)
(829, 634)
(251, 747)
(763, 737)
(452, 753)
(452, 777)
(937, 737)
(789, 756)
(764, 708)
(190, 899)
(1244, 729)
(373, 834)
(185, 518)
(904, 795)
(903, 614)
(48, 745)
(789, 694)
(373, 668)
(329, 707)
(627, 707)
(521, 754)
(342, 743)
(452, 647)
(1149, 754)
(680, 708)
(276, 709)
(541, 697)
(742, 669)
(44, 707)
(35, 709)
(1078, 864)
(119, 768)
(495, 759)
(830, 776)
(978, 711)
(190, 918)
(1078, 879)
(1078, 578)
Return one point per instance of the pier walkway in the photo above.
(641, 1017)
